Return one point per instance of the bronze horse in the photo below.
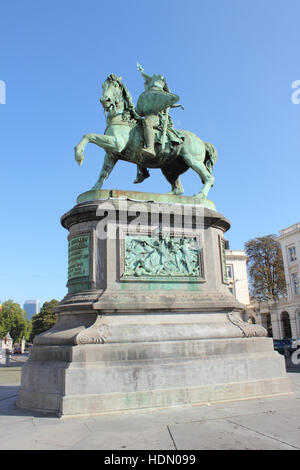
(123, 140)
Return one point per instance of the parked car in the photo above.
(281, 345)
(17, 350)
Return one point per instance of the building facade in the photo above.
(289, 239)
(32, 307)
(282, 318)
(237, 278)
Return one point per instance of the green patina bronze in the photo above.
(95, 194)
(146, 137)
(161, 257)
(78, 257)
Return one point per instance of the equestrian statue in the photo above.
(145, 135)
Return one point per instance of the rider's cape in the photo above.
(155, 101)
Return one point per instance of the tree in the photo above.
(265, 267)
(44, 320)
(14, 319)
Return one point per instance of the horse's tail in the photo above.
(211, 156)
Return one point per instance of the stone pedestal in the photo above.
(148, 320)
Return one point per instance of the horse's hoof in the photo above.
(79, 157)
(174, 193)
(199, 196)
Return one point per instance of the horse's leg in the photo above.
(206, 178)
(109, 163)
(194, 156)
(107, 142)
(177, 187)
(205, 175)
(141, 174)
(173, 178)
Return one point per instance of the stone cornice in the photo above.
(87, 211)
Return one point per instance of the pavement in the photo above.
(256, 424)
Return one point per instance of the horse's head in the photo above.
(112, 98)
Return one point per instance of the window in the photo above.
(229, 271)
(286, 325)
(295, 283)
(292, 253)
(269, 325)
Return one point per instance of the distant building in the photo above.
(289, 313)
(6, 342)
(32, 307)
(281, 317)
(289, 239)
(237, 278)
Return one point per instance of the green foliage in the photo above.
(44, 320)
(14, 319)
(265, 267)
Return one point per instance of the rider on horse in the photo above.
(154, 104)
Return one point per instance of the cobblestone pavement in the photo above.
(265, 423)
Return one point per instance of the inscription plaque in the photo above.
(79, 257)
(223, 259)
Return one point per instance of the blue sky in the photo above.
(232, 63)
